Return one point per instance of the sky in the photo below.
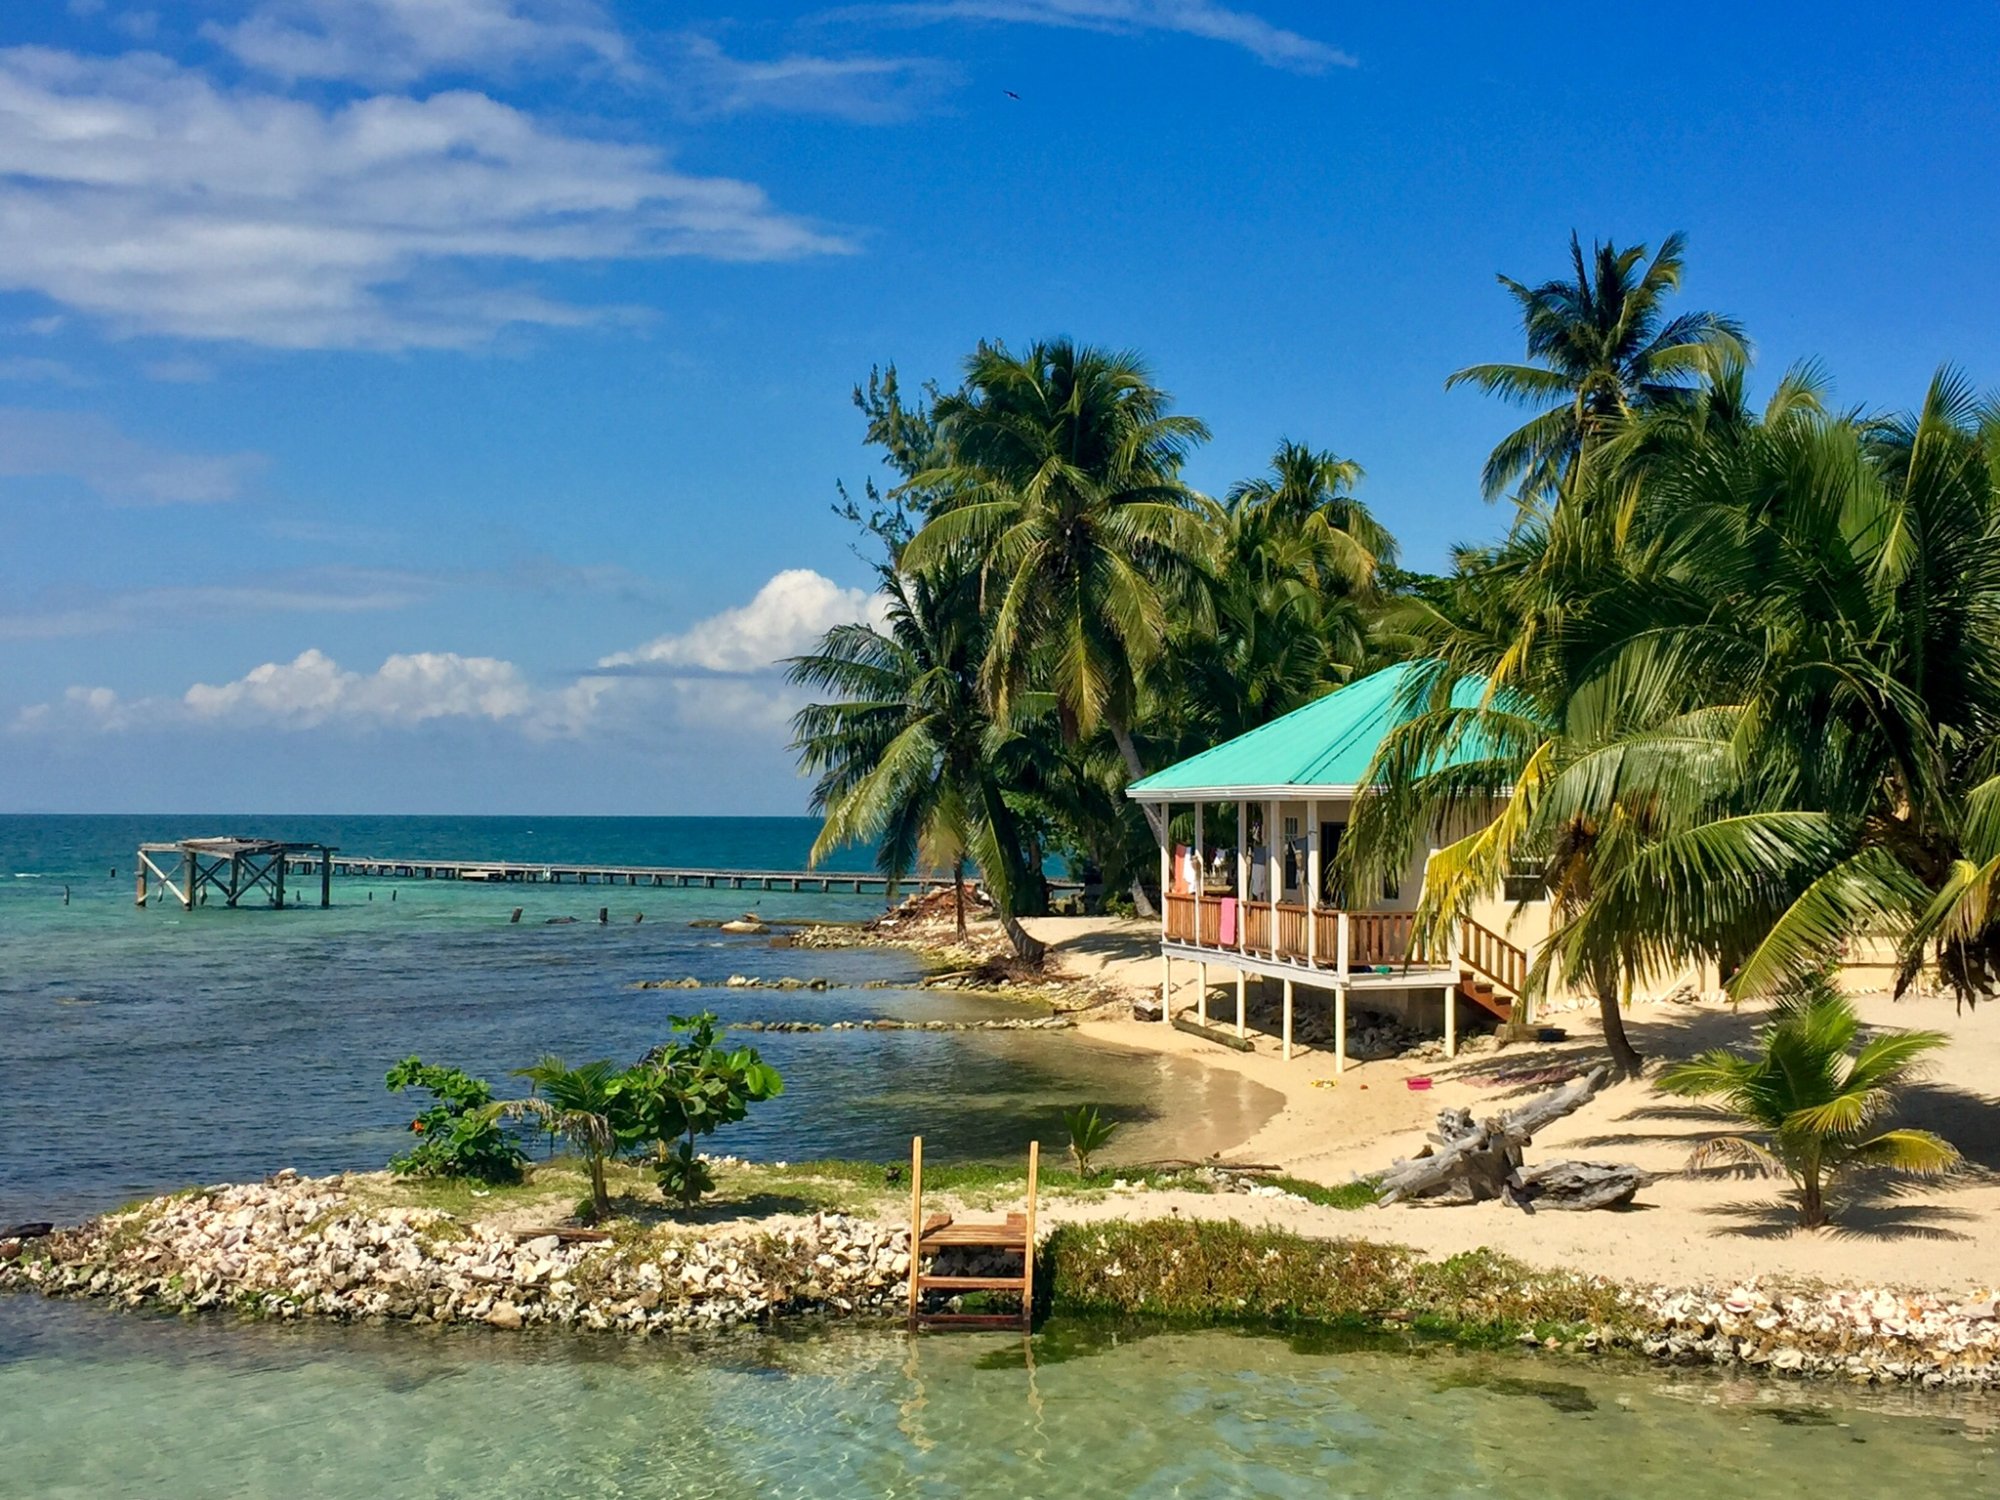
(437, 405)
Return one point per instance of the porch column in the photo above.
(1340, 952)
(1451, 1021)
(1200, 868)
(1275, 874)
(1166, 893)
(1288, 1019)
(1312, 881)
(1242, 907)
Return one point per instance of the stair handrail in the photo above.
(1487, 953)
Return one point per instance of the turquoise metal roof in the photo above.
(1326, 745)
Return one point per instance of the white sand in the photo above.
(1716, 1226)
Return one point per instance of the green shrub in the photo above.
(1088, 1133)
(460, 1134)
(685, 1089)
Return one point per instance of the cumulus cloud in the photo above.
(136, 190)
(788, 614)
(399, 41)
(87, 447)
(720, 676)
(1205, 19)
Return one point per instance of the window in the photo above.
(1527, 880)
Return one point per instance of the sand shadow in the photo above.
(1864, 1208)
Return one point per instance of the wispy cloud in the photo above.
(138, 191)
(84, 612)
(1267, 42)
(860, 87)
(88, 448)
(397, 42)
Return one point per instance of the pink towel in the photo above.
(1228, 935)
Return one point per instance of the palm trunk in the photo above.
(1624, 1056)
(1156, 816)
(958, 893)
(600, 1194)
(1028, 948)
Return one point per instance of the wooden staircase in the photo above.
(1013, 1236)
(1492, 972)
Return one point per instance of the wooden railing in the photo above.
(1375, 939)
(1491, 956)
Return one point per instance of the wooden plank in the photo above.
(1213, 1034)
(916, 1220)
(970, 1283)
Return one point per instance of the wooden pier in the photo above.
(489, 871)
(236, 867)
(1012, 1237)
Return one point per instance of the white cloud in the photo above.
(719, 678)
(405, 689)
(1206, 19)
(788, 614)
(139, 192)
(396, 42)
(858, 87)
(87, 447)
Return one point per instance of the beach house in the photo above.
(1276, 911)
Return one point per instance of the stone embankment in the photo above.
(299, 1247)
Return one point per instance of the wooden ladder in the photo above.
(1014, 1235)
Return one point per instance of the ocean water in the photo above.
(94, 1403)
(143, 1050)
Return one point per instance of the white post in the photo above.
(1451, 1021)
(1340, 1028)
(1201, 997)
(1312, 882)
(1341, 949)
(1200, 871)
(1242, 984)
(1242, 881)
(1288, 1020)
(1166, 895)
(1274, 858)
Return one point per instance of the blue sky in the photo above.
(435, 405)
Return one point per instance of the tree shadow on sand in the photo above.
(1864, 1208)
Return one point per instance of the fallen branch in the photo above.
(1471, 1161)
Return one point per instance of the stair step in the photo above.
(969, 1283)
(969, 1320)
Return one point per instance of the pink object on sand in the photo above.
(1227, 937)
(1418, 1083)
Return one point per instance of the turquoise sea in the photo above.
(144, 1050)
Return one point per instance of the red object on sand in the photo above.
(1418, 1083)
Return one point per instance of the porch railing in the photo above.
(1375, 939)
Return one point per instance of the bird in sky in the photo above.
(1011, 95)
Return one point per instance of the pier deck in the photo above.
(493, 871)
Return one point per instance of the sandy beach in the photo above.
(1719, 1225)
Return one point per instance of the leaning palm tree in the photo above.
(903, 746)
(576, 1104)
(1063, 482)
(1600, 347)
(1812, 1100)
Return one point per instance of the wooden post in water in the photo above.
(1028, 1244)
(325, 881)
(916, 1221)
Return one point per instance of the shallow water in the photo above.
(95, 1403)
(145, 1050)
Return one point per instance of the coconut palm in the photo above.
(1063, 482)
(903, 748)
(1812, 1099)
(579, 1105)
(1601, 347)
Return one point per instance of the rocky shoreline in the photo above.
(296, 1247)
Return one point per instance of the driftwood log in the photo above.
(1471, 1161)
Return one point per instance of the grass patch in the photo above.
(1226, 1273)
(1349, 1195)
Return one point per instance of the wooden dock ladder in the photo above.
(1013, 1235)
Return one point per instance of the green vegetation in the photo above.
(1813, 1099)
(458, 1136)
(1089, 1133)
(1226, 1273)
(679, 1092)
(1732, 675)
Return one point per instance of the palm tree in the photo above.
(1812, 1100)
(1601, 348)
(578, 1105)
(1063, 481)
(904, 748)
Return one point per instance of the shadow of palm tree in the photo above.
(1864, 1208)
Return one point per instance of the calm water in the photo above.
(94, 1403)
(143, 1050)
